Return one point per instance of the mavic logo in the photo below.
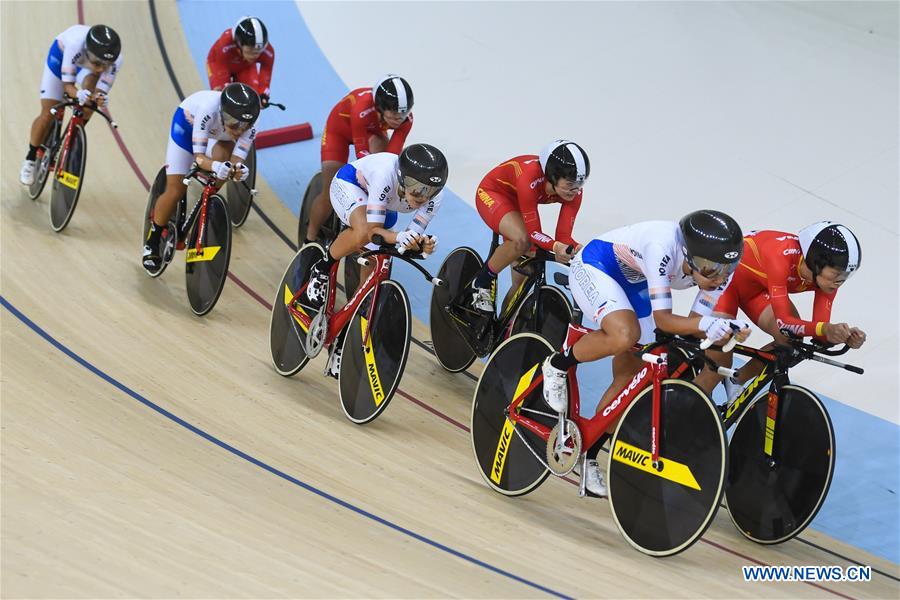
(371, 367)
(669, 469)
(500, 457)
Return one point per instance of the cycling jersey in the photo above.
(352, 121)
(518, 185)
(225, 64)
(768, 272)
(67, 62)
(372, 180)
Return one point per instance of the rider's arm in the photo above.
(216, 69)
(108, 77)
(398, 138)
(242, 146)
(359, 130)
(566, 221)
(660, 262)
(199, 141)
(672, 323)
(777, 266)
(266, 61)
(527, 199)
(424, 214)
(822, 312)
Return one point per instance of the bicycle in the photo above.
(240, 197)
(460, 333)
(667, 463)
(64, 153)
(782, 450)
(367, 339)
(206, 234)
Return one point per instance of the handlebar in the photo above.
(202, 176)
(77, 106)
(275, 104)
(399, 252)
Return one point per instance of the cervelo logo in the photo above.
(635, 381)
(789, 251)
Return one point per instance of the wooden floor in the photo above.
(148, 452)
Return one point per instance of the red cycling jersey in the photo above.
(518, 184)
(225, 64)
(352, 121)
(768, 272)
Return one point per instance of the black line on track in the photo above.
(290, 244)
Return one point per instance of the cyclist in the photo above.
(242, 54)
(819, 259)
(82, 64)
(367, 191)
(623, 280)
(213, 129)
(507, 200)
(362, 119)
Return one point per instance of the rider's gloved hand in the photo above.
(408, 239)
(83, 96)
(740, 329)
(221, 169)
(836, 333)
(241, 172)
(715, 329)
(857, 338)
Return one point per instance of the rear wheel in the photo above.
(450, 348)
(240, 199)
(332, 225)
(551, 322)
(663, 510)
(44, 159)
(773, 498)
(206, 269)
(370, 373)
(156, 189)
(287, 334)
(506, 460)
(68, 180)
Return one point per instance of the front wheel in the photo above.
(450, 347)
(371, 371)
(773, 497)
(240, 199)
(44, 160)
(663, 509)
(68, 180)
(506, 460)
(207, 268)
(551, 321)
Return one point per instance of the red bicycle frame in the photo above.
(653, 372)
(77, 117)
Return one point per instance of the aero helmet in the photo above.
(828, 244)
(240, 104)
(102, 44)
(393, 93)
(713, 242)
(566, 160)
(250, 31)
(422, 170)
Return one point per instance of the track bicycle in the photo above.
(205, 232)
(782, 451)
(667, 463)
(240, 197)
(367, 339)
(460, 333)
(64, 151)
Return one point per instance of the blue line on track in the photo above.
(309, 488)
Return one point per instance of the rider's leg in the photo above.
(51, 93)
(517, 280)
(515, 243)
(178, 162)
(321, 204)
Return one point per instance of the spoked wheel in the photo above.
(207, 269)
(450, 348)
(662, 511)
(552, 321)
(371, 371)
(170, 235)
(68, 180)
(773, 498)
(238, 192)
(507, 461)
(332, 225)
(44, 160)
(287, 335)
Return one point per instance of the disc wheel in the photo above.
(44, 160)
(206, 270)
(450, 348)
(67, 180)
(156, 189)
(287, 336)
(332, 225)
(551, 322)
(504, 461)
(772, 499)
(238, 193)
(662, 511)
(371, 371)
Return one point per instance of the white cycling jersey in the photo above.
(74, 56)
(203, 111)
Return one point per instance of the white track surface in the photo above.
(103, 497)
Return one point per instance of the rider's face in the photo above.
(415, 200)
(250, 53)
(393, 119)
(830, 279)
(567, 189)
(708, 284)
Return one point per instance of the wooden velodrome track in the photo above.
(148, 452)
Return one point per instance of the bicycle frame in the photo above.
(774, 374)
(66, 140)
(209, 188)
(653, 372)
